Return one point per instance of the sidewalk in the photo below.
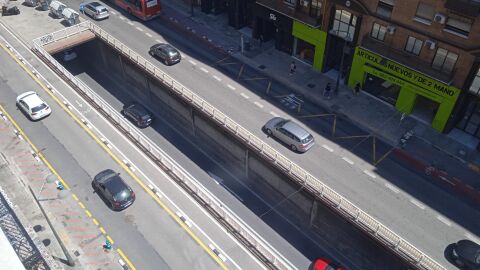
(439, 156)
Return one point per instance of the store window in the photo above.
(470, 122)
(458, 24)
(475, 87)
(413, 45)
(444, 60)
(304, 50)
(290, 2)
(385, 8)
(424, 12)
(344, 24)
(378, 31)
(315, 8)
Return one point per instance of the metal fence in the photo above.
(322, 192)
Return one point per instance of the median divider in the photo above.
(239, 229)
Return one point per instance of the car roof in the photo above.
(138, 109)
(32, 99)
(168, 47)
(115, 184)
(296, 129)
(95, 4)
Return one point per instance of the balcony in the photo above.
(409, 60)
(295, 11)
(466, 7)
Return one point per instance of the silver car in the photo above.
(96, 10)
(33, 106)
(296, 137)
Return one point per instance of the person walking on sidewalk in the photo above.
(293, 67)
(326, 92)
(356, 90)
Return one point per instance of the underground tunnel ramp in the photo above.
(55, 46)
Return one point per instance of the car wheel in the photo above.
(269, 132)
(293, 147)
(458, 262)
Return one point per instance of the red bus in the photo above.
(143, 9)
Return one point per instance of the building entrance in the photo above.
(382, 89)
(425, 109)
(304, 50)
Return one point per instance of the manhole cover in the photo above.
(261, 67)
(311, 85)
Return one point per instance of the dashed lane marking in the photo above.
(230, 86)
(148, 35)
(192, 62)
(392, 188)
(274, 114)
(418, 204)
(329, 149)
(131, 23)
(258, 104)
(139, 29)
(158, 40)
(113, 12)
(471, 237)
(444, 221)
(244, 95)
(217, 78)
(204, 70)
(369, 173)
(122, 18)
(348, 161)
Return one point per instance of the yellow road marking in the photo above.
(88, 213)
(81, 205)
(110, 239)
(75, 197)
(95, 221)
(120, 252)
(116, 159)
(103, 230)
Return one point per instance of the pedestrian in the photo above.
(261, 41)
(326, 93)
(293, 67)
(356, 90)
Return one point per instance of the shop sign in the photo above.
(273, 17)
(408, 74)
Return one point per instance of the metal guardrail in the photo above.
(341, 205)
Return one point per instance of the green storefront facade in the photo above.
(313, 36)
(412, 84)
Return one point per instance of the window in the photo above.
(378, 31)
(315, 8)
(475, 87)
(425, 12)
(344, 24)
(458, 24)
(385, 8)
(291, 2)
(414, 45)
(444, 60)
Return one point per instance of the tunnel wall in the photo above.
(271, 184)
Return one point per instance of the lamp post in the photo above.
(346, 39)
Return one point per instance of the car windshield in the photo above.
(103, 10)
(145, 117)
(122, 195)
(39, 107)
(118, 189)
(172, 53)
(281, 123)
(307, 139)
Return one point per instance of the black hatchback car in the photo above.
(111, 187)
(166, 53)
(466, 254)
(138, 114)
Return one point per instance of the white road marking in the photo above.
(329, 149)
(471, 237)
(444, 220)
(258, 104)
(392, 188)
(113, 12)
(131, 23)
(158, 40)
(148, 35)
(122, 18)
(348, 161)
(274, 114)
(204, 69)
(418, 204)
(139, 29)
(217, 78)
(192, 62)
(230, 86)
(244, 95)
(369, 173)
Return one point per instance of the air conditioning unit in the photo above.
(439, 18)
(431, 44)
(391, 29)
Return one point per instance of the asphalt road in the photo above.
(420, 212)
(145, 232)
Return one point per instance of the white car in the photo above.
(31, 104)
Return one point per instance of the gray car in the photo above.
(166, 53)
(96, 10)
(292, 134)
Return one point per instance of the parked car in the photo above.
(138, 115)
(292, 134)
(113, 189)
(466, 254)
(326, 264)
(32, 105)
(166, 53)
(69, 55)
(96, 10)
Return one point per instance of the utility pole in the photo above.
(192, 3)
(340, 71)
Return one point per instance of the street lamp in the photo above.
(346, 39)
